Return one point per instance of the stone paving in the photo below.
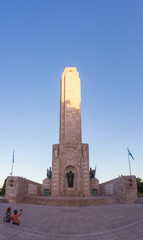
(108, 222)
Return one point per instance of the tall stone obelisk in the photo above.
(70, 160)
(70, 107)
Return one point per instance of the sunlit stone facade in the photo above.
(70, 156)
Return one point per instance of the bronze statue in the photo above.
(92, 173)
(49, 173)
(70, 178)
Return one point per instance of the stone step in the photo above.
(3, 200)
(71, 201)
(139, 200)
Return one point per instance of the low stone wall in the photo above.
(124, 188)
(71, 201)
(18, 188)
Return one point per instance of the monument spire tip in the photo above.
(70, 69)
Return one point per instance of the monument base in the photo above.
(120, 190)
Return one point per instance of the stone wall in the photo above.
(18, 188)
(46, 186)
(94, 185)
(123, 188)
(55, 170)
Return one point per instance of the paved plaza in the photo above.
(108, 222)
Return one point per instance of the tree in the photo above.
(3, 188)
(139, 185)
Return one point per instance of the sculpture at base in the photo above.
(70, 178)
(49, 173)
(92, 172)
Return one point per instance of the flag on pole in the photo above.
(130, 154)
(13, 157)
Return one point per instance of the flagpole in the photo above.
(11, 181)
(129, 163)
(12, 164)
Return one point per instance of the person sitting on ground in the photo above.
(15, 217)
(7, 216)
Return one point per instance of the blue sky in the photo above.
(104, 40)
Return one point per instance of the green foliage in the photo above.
(3, 188)
(140, 194)
(0, 191)
(139, 180)
(140, 186)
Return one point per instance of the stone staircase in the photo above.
(72, 201)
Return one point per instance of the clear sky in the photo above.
(104, 40)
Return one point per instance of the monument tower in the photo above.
(70, 158)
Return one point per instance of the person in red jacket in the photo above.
(15, 217)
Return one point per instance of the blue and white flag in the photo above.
(130, 154)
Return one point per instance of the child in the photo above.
(7, 216)
(15, 217)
